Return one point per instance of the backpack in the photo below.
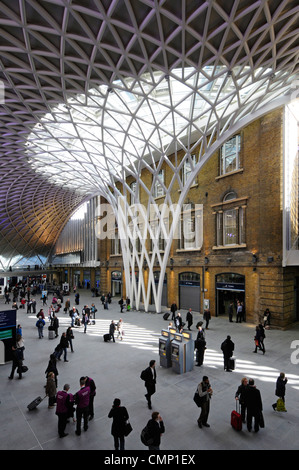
(143, 375)
(145, 437)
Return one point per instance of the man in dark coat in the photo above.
(227, 347)
(155, 428)
(207, 317)
(55, 324)
(121, 303)
(173, 309)
(63, 345)
(178, 322)
(253, 402)
(112, 329)
(189, 318)
(89, 382)
(200, 345)
(149, 376)
(16, 363)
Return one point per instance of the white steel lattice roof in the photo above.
(96, 90)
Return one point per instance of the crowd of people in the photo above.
(248, 396)
(80, 406)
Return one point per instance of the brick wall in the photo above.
(259, 186)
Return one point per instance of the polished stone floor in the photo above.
(116, 368)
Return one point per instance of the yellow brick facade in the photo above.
(258, 188)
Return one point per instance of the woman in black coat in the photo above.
(120, 416)
(280, 389)
(52, 367)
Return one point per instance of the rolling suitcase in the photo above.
(166, 316)
(34, 404)
(106, 338)
(51, 333)
(231, 363)
(236, 418)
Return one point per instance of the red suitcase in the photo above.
(236, 419)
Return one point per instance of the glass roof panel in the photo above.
(111, 126)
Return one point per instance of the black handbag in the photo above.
(199, 400)
(128, 428)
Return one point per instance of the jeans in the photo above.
(64, 350)
(40, 333)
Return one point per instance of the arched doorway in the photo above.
(116, 281)
(86, 278)
(230, 287)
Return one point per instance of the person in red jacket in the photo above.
(89, 382)
(64, 402)
(82, 398)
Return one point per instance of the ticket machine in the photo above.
(188, 350)
(165, 348)
(177, 355)
(182, 353)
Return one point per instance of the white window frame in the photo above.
(158, 188)
(115, 244)
(133, 187)
(191, 228)
(187, 168)
(154, 225)
(230, 227)
(226, 153)
(230, 234)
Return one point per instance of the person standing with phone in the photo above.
(204, 390)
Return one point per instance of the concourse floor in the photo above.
(116, 368)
